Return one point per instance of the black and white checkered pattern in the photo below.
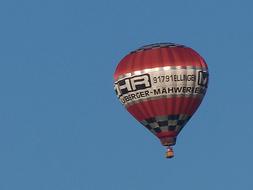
(157, 45)
(166, 123)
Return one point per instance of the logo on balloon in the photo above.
(203, 78)
(132, 84)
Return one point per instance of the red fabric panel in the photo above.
(164, 106)
(159, 57)
(167, 134)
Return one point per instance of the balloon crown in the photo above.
(157, 45)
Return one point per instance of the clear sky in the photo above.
(61, 125)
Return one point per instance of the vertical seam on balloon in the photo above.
(161, 61)
(182, 102)
(141, 105)
(166, 103)
(153, 56)
(148, 103)
(130, 67)
(192, 99)
(138, 105)
(174, 60)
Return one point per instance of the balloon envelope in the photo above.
(162, 85)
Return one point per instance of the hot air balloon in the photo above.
(162, 86)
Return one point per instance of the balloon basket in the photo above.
(169, 153)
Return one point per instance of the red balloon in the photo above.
(162, 85)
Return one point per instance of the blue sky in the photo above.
(61, 125)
